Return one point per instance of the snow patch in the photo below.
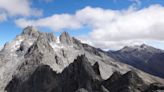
(56, 46)
(58, 40)
(16, 44)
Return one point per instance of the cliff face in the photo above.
(80, 76)
(40, 62)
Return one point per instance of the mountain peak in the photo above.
(142, 47)
(30, 31)
(42, 42)
(65, 38)
(51, 37)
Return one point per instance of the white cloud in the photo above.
(3, 17)
(55, 22)
(18, 8)
(109, 27)
(110, 44)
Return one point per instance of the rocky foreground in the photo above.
(80, 76)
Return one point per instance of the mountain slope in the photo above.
(144, 57)
(21, 57)
(79, 76)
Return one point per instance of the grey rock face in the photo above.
(22, 49)
(42, 80)
(30, 31)
(51, 37)
(21, 59)
(92, 50)
(37, 54)
(77, 77)
(65, 39)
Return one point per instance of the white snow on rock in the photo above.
(56, 46)
(58, 40)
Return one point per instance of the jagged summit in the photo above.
(41, 44)
(66, 39)
(23, 56)
(31, 31)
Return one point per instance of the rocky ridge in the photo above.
(144, 57)
(21, 58)
(80, 76)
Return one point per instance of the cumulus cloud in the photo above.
(55, 22)
(17, 8)
(109, 27)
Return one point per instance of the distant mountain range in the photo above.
(41, 62)
(143, 57)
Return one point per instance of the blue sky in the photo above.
(12, 22)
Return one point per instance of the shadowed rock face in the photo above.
(155, 87)
(79, 76)
(114, 77)
(41, 80)
(129, 82)
(96, 68)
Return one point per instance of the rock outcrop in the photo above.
(66, 39)
(129, 82)
(80, 76)
(77, 77)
